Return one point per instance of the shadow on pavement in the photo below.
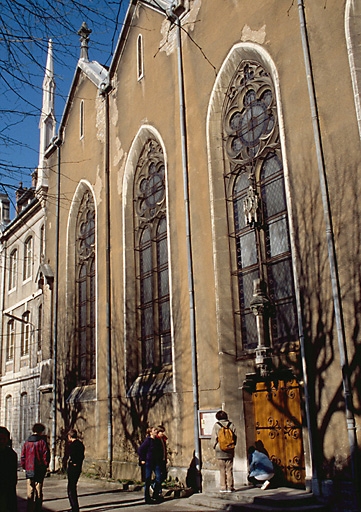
(22, 505)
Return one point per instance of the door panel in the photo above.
(278, 425)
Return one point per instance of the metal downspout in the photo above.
(107, 285)
(172, 16)
(3, 284)
(197, 453)
(57, 143)
(350, 419)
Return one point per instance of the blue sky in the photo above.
(25, 28)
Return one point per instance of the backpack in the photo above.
(226, 438)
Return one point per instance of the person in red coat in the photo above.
(35, 458)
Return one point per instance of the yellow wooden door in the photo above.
(278, 426)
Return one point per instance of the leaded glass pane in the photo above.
(274, 198)
(247, 249)
(246, 287)
(249, 330)
(239, 217)
(284, 325)
(162, 252)
(148, 352)
(83, 344)
(147, 321)
(280, 279)
(147, 289)
(164, 316)
(82, 316)
(163, 283)
(239, 192)
(166, 349)
(271, 166)
(278, 237)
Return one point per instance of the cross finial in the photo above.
(84, 32)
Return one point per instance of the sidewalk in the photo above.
(99, 496)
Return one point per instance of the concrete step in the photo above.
(251, 499)
(260, 507)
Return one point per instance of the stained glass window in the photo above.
(85, 268)
(151, 251)
(257, 207)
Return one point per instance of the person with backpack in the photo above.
(224, 439)
(35, 457)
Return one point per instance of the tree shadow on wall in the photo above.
(324, 371)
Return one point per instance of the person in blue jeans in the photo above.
(151, 455)
(261, 469)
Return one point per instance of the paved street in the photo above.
(95, 495)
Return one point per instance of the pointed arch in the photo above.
(146, 263)
(82, 283)
(228, 322)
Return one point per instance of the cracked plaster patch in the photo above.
(98, 186)
(256, 36)
(169, 37)
(100, 119)
(118, 152)
(114, 111)
(121, 175)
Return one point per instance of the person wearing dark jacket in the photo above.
(35, 457)
(162, 436)
(75, 462)
(151, 455)
(8, 473)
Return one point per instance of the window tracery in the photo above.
(85, 281)
(257, 206)
(150, 230)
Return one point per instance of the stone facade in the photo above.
(170, 301)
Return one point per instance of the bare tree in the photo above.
(25, 28)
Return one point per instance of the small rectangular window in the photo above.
(10, 341)
(140, 72)
(81, 119)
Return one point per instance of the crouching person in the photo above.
(261, 469)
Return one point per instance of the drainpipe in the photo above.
(104, 90)
(3, 284)
(350, 419)
(197, 454)
(174, 18)
(58, 143)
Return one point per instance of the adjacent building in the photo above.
(25, 356)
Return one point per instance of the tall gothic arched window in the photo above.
(151, 250)
(257, 210)
(85, 286)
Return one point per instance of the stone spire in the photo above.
(84, 33)
(47, 119)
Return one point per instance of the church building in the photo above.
(204, 240)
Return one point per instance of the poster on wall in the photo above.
(207, 418)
